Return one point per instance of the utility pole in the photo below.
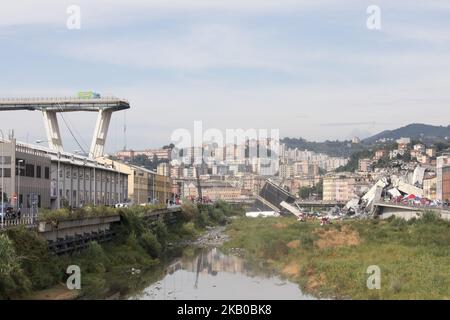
(58, 199)
(3, 174)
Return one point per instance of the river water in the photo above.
(211, 275)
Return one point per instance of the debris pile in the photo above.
(403, 186)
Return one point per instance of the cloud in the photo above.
(230, 71)
(348, 124)
(117, 12)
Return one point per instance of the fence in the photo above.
(26, 220)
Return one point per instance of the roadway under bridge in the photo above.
(50, 106)
(387, 209)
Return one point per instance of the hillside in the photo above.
(331, 148)
(424, 132)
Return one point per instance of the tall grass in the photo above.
(414, 256)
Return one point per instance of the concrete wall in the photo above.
(409, 214)
(69, 228)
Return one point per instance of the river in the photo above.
(210, 274)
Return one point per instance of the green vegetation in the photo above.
(331, 148)
(353, 163)
(26, 265)
(307, 192)
(332, 261)
(89, 211)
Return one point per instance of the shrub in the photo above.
(47, 215)
(150, 244)
(41, 268)
(398, 222)
(12, 278)
(216, 215)
(188, 229)
(93, 259)
(161, 232)
(201, 219)
(429, 216)
(189, 210)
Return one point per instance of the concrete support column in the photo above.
(100, 133)
(52, 130)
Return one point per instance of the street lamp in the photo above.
(18, 183)
(3, 174)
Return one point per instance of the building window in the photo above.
(38, 172)
(5, 160)
(47, 173)
(29, 170)
(7, 172)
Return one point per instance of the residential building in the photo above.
(442, 170)
(420, 148)
(339, 188)
(431, 152)
(213, 190)
(365, 165)
(429, 187)
(161, 154)
(163, 169)
(379, 154)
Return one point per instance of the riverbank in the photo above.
(134, 258)
(331, 261)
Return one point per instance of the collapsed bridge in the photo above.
(50, 106)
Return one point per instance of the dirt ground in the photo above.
(58, 292)
(292, 269)
(294, 244)
(335, 238)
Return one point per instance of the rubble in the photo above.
(403, 184)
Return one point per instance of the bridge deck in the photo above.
(65, 104)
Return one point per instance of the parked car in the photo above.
(123, 205)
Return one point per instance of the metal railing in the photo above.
(57, 99)
(26, 220)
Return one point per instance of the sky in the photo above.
(311, 69)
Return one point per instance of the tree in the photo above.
(307, 192)
(170, 146)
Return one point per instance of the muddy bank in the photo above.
(213, 237)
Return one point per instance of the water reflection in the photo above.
(212, 275)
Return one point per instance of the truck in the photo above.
(88, 95)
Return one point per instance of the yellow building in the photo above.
(429, 188)
(214, 190)
(339, 188)
(144, 186)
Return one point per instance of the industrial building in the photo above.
(38, 177)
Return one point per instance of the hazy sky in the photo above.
(309, 68)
